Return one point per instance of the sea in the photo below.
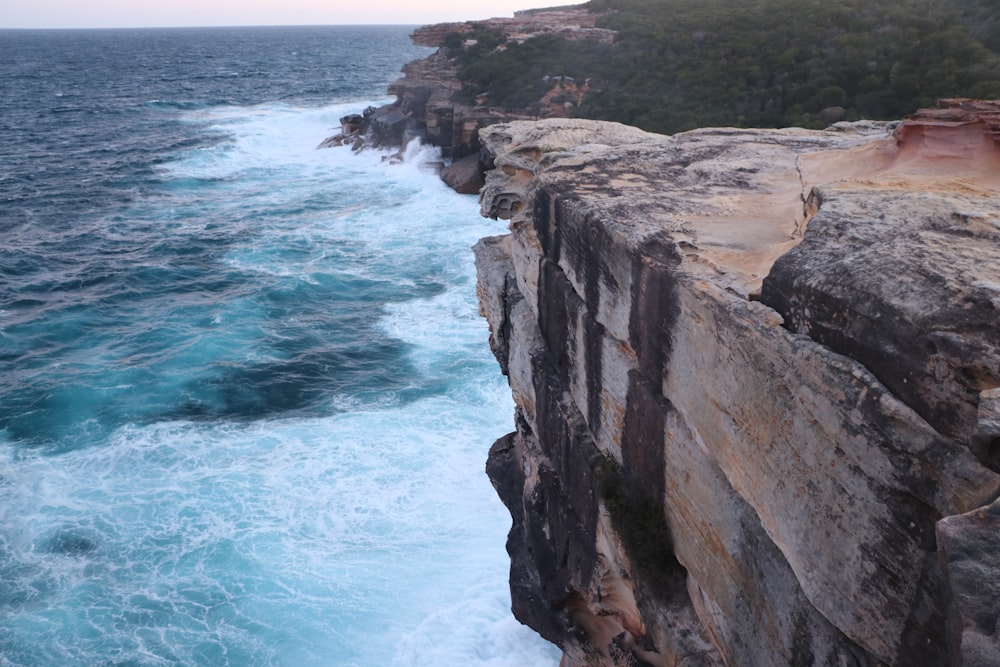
(245, 394)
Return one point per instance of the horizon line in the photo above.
(248, 25)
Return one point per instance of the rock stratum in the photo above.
(757, 388)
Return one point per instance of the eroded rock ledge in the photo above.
(756, 381)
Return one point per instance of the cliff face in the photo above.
(756, 375)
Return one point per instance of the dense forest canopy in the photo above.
(679, 64)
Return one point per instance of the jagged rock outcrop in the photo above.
(426, 107)
(756, 388)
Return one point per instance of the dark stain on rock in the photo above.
(655, 306)
(543, 216)
(556, 303)
(561, 313)
(529, 601)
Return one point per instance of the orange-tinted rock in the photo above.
(464, 176)
(952, 113)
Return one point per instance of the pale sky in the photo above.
(162, 13)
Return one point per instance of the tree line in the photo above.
(680, 64)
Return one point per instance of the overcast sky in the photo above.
(159, 13)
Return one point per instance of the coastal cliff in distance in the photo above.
(427, 105)
(757, 386)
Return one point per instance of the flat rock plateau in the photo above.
(757, 388)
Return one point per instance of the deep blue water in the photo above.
(245, 395)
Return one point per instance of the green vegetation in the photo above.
(680, 64)
(983, 20)
(516, 77)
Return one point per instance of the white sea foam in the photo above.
(368, 537)
(371, 535)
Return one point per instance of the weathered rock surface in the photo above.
(756, 386)
(464, 176)
(911, 289)
(970, 558)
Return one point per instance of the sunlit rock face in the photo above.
(756, 382)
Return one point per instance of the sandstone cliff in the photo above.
(757, 387)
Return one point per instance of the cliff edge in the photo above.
(757, 388)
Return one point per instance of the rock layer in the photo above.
(755, 379)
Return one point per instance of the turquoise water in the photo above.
(245, 394)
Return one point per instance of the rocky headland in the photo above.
(426, 106)
(756, 372)
(757, 388)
